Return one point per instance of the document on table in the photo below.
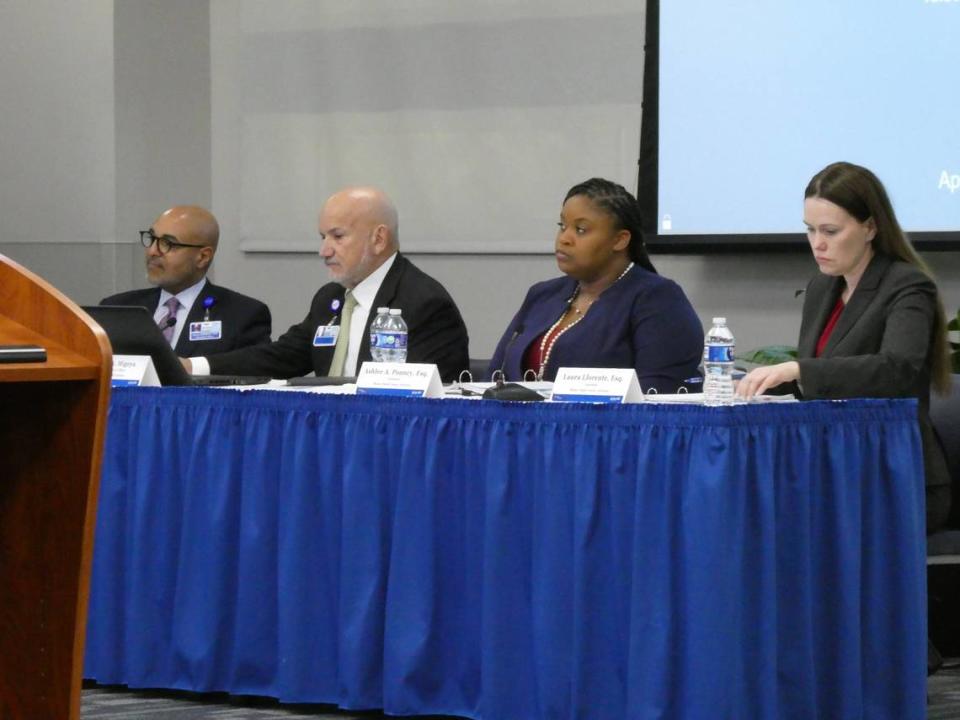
(697, 398)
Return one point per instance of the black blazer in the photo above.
(881, 346)
(437, 333)
(245, 321)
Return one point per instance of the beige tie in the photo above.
(343, 339)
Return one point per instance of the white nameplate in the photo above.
(596, 385)
(400, 379)
(134, 370)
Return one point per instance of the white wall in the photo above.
(162, 75)
(57, 174)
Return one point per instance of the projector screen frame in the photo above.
(648, 182)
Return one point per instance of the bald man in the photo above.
(360, 247)
(197, 316)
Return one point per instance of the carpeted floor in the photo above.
(108, 703)
(113, 703)
(944, 693)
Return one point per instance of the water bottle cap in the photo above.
(395, 311)
(382, 310)
(719, 321)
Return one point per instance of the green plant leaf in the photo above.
(769, 355)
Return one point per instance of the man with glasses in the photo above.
(196, 316)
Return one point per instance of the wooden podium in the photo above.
(52, 421)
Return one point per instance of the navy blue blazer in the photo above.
(246, 321)
(643, 321)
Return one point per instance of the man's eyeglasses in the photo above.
(165, 243)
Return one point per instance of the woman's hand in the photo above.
(761, 379)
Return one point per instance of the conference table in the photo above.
(510, 561)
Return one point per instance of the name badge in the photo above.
(399, 379)
(206, 330)
(326, 336)
(134, 370)
(596, 385)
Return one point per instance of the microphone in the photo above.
(510, 391)
(499, 372)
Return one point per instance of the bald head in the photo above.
(193, 234)
(194, 225)
(359, 229)
(371, 204)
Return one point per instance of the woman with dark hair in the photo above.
(873, 323)
(611, 309)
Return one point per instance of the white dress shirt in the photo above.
(364, 293)
(186, 298)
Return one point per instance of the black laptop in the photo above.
(132, 331)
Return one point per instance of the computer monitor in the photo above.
(132, 331)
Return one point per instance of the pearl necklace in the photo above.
(545, 348)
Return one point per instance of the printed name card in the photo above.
(134, 370)
(400, 379)
(596, 385)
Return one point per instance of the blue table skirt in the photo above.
(514, 562)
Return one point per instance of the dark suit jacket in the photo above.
(881, 345)
(643, 321)
(437, 333)
(245, 321)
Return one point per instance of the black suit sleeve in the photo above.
(256, 327)
(894, 348)
(440, 336)
(144, 298)
(288, 356)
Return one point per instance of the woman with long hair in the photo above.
(873, 322)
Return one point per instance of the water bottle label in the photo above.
(718, 353)
(392, 341)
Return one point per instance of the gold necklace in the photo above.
(545, 348)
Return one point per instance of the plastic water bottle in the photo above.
(718, 364)
(376, 329)
(395, 338)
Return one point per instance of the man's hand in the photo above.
(187, 365)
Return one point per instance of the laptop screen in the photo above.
(132, 331)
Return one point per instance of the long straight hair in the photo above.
(860, 193)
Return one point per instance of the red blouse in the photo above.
(828, 328)
(533, 357)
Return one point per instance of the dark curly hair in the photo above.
(625, 210)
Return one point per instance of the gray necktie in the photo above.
(343, 339)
